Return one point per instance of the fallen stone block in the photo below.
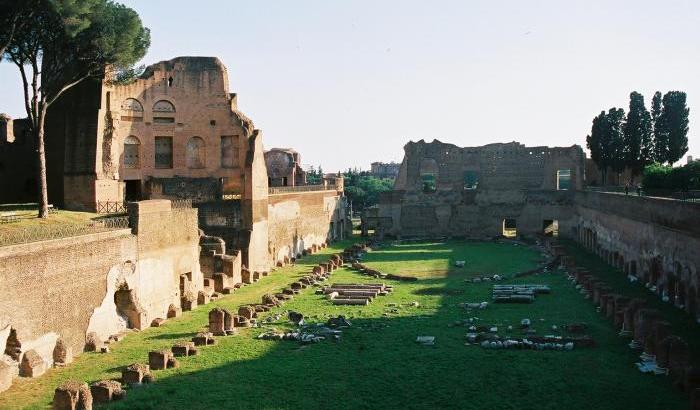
(182, 349)
(174, 311)
(344, 301)
(157, 322)
(203, 298)
(72, 395)
(158, 360)
(105, 391)
(92, 342)
(188, 301)
(203, 339)
(32, 365)
(217, 317)
(136, 374)
(247, 312)
(268, 299)
(62, 353)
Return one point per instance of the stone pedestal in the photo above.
(72, 395)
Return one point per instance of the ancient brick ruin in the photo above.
(445, 190)
(172, 150)
(511, 190)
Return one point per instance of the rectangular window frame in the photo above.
(564, 179)
(163, 160)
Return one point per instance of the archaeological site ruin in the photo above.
(159, 251)
(203, 215)
(511, 190)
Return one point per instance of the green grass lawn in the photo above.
(377, 363)
(26, 217)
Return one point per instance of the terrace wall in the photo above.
(65, 288)
(299, 220)
(654, 239)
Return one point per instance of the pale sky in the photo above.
(347, 83)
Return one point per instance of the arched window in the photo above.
(195, 153)
(132, 147)
(163, 106)
(132, 110)
(132, 104)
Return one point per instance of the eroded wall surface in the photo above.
(66, 288)
(50, 289)
(475, 189)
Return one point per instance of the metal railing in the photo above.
(181, 203)
(689, 196)
(300, 188)
(44, 233)
(111, 207)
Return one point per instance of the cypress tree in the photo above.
(638, 144)
(674, 117)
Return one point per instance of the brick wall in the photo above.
(299, 220)
(654, 239)
(65, 288)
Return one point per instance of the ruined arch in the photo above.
(195, 153)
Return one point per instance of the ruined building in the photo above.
(172, 149)
(385, 169)
(175, 132)
(445, 190)
(284, 168)
(511, 190)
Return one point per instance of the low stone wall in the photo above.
(300, 220)
(94, 286)
(656, 240)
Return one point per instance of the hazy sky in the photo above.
(347, 83)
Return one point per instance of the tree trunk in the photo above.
(42, 191)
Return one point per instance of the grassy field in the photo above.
(377, 363)
(26, 217)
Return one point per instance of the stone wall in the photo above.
(445, 190)
(655, 240)
(71, 287)
(299, 220)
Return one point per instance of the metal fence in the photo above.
(181, 203)
(111, 207)
(300, 188)
(689, 196)
(47, 232)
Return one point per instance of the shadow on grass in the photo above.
(682, 323)
(377, 363)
